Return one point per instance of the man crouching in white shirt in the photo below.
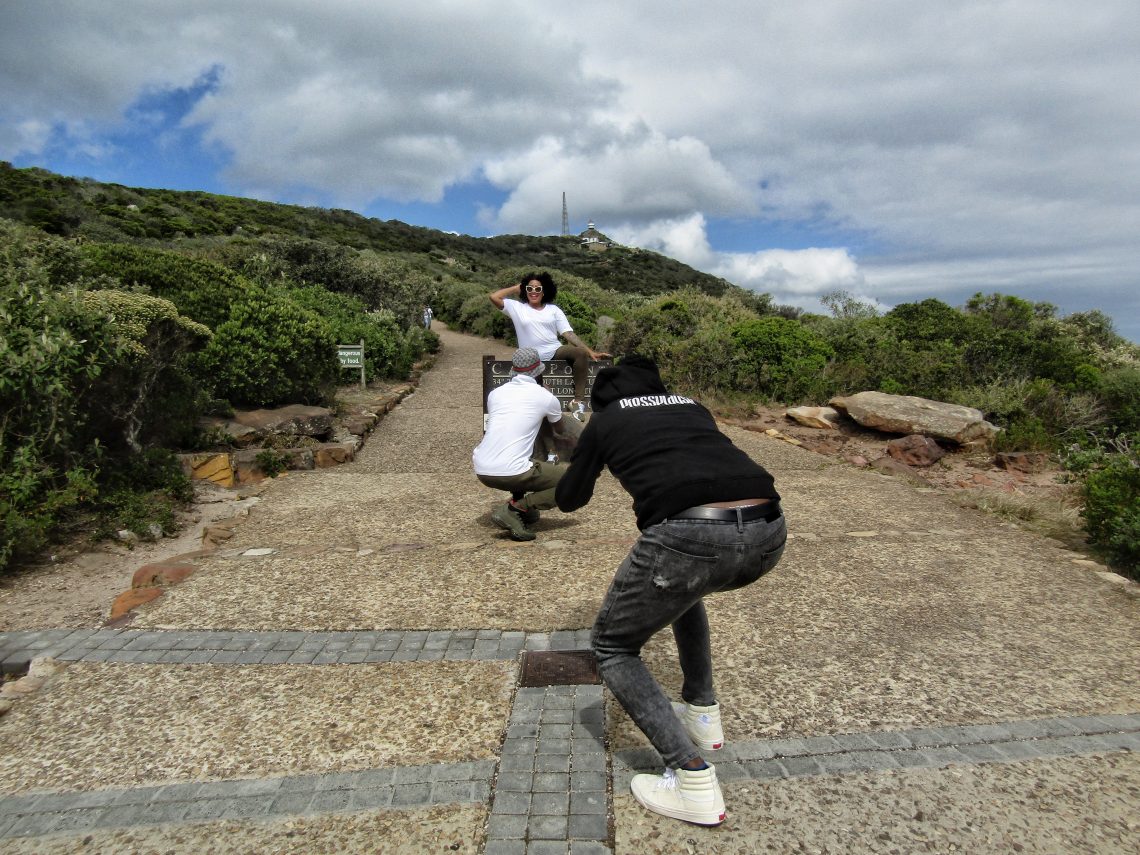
(502, 461)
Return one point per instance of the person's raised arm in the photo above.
(497, 297)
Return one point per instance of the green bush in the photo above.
(928, 322)
(778, 359)
(53, 349)
(142, 492)
(1120, 391)
(451, 297)
(393, 282)
(270, 352)
(479, 317)
(1025, 433)
(202, 290)
(581, 316)
(698, 365)
(1011, 336)
(858, 346)
(1111, 492)
(350, 323)
(655, 327)
(147, 395)
(271, 462)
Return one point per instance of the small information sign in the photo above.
(352, 356)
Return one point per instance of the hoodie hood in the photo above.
(634, 375)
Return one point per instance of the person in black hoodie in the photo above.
(710, 521)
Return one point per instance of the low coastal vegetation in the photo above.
(129, 314)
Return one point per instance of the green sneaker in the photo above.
(504, 517)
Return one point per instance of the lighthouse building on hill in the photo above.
(594, 240)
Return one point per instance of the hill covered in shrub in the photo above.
(129, 313)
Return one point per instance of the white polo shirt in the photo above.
(515, 412)
(538, 328)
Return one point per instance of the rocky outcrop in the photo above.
(816, 417)
(333, 454)
(40, 671)
(161, 575)
(130, 600)
(292, 420)
(1021, 461)
(323, 437)
(907, 414)
(236, 434)
(916, 450)
(213, 466)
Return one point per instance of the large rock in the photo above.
(815, 417)
(333, 454)
(907, 414)
(237, 435)
(294, 419)
(213, 466)
(132, 599)
(915, 450)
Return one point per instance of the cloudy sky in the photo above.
(893, 149)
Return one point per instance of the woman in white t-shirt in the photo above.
(539, 323)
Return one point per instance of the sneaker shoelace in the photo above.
(668, 780)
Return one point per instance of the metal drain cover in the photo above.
(559, 668)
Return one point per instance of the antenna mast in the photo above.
(565, 218)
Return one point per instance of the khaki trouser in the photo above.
(531, 490)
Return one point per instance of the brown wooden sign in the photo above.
(558, 378)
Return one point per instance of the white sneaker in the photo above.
(702, 724)
(691, 795)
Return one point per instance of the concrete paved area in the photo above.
(343, 676)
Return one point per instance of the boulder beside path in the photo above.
(908, 414)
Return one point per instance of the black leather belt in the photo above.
(768, 512)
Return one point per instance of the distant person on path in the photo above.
(515, 412)
(710, 521)
(427, 317)
(539, 322)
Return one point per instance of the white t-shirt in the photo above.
(537, 328)
(515, 412)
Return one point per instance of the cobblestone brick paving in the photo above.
(931, 748)
(552, 783)
(549, 791)
(164, 647)
(402, 787)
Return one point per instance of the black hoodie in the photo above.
(665, 449)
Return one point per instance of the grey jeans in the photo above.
(672, 566)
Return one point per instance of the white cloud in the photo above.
(684, 239)
(635, 177)
(792, 274)
(792, 277)
(968, 143)
(356, 101)
(24, 137)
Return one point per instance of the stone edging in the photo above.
(151, 580)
